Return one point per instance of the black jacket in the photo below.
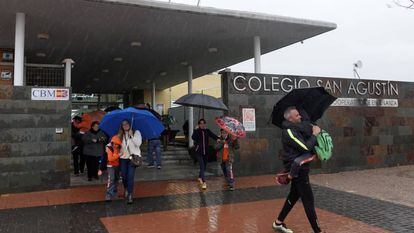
(295, 143)
(92, 148)
(200, 137)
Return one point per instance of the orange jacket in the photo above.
(85, 125)
(114, 151)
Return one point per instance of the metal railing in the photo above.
(45, 75)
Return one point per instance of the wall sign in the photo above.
(7, 56)
(275, 83)
(366, 102)
(249, 119)
(50, 94)
(6, 74)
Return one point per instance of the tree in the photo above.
(409, 4)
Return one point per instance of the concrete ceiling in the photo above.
(94, 32)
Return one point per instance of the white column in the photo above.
(153, 95)
(257, 54)
(190, 109)
(19, 49)
(68, 71)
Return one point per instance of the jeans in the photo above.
(128, 175)
(301, 188)
(202, 161)
(154, 146)
(297, 163)
(113, 178)
(227, 168)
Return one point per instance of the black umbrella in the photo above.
(201, 101)
(314, 101)
(155, 113)
(111, 108)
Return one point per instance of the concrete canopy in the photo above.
(94, 33)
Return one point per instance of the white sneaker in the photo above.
(281, 228)
(204, 186)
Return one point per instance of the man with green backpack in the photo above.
(299, 139)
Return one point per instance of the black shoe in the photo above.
(130, 199)
(89, 179)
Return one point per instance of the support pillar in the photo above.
(153, 96)
(190, 109)
(19, 49)
(68, 71)
(257, 55)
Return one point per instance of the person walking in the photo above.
(296, 145)
(154, 147)
(93, 141)
(76, 143)
(113, 151)
(201, 139)
(226, 148)
(131, 142)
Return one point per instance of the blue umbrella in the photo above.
(142, 120)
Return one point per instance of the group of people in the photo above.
(298, 139)
(226, 145)
(91, 146)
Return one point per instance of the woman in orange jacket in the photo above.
(113, 149)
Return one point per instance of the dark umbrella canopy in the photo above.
(201, 101)
(314, 101)
(111, 108)
(152, 111)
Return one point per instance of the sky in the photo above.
(376, 32)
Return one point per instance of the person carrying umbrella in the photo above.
(299, 139)
(294, 146)
(226, 148)
(201, 139)
(231, 130)
(131, 141)
(131, 125)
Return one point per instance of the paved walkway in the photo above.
(179, 206)
(395, 184)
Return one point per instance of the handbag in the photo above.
(136, 160)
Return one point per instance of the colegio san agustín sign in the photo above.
(340, 87)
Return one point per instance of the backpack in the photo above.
(325, 146)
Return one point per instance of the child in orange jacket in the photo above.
(113, 149)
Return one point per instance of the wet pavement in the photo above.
(179, 206)
(394, 184)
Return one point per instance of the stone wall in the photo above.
(32, 155)
(364, 137)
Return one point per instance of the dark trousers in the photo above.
(297, 163)
(301, 188)
(202, 161)
(79, 161)
(92, 162)
(128, 175)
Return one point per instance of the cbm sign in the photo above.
(50, 94)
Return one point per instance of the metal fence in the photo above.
(45, 75)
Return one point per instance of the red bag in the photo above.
(282, 179)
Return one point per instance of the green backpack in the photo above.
(325, 146)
